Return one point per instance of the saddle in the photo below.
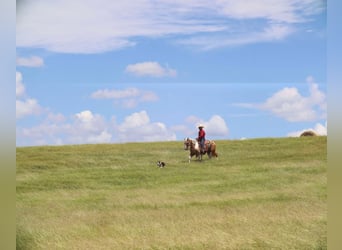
(207, 146)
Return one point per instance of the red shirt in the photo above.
(201, 134)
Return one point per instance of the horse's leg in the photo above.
(215, 154)
(214, 151)
(191, 154)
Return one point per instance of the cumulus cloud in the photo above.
(25, 106)
(128, 98)
(88, 122)
(33, 61)
(86, 27)
(87, 127)
(135, 120)
(153, 69)
(214, 127)
(289, 104)
(83, 127)
(317, 97)
(292, 106)
(137, 127)
(48, 132)
(318, 129)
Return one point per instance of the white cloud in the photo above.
(25, 106)
(319, 129)
(193, 119)
(317, 97)
(103, 137)
(88, 27)
(33, 61)
(115, 94)
(214, 127)
(20, 88)
(148, 96)
(128, 98)
(87, 127)
(135, 120)
(153, 69)
(137, 127)
(84, 127)
(290, 105)
(56, 118)
(270, 33)
(85, 116)
(183, 129)
(46, 133)
(287, 11)
(86, 121)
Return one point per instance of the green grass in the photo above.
(259, 194)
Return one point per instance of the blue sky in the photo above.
(111, 72)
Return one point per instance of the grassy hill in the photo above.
(259, 194)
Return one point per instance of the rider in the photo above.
(201, 137)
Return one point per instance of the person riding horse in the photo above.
(201, 138)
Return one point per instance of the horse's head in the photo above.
(191, 144)
(187, 143)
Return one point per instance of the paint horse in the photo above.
(193, 146)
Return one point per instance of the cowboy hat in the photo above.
(201, 126)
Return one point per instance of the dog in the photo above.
(161, 164)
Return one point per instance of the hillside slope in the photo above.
(259, 194)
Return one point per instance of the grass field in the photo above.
(259, 194)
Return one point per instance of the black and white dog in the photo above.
(161, 164)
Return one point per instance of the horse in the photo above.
(194, 147)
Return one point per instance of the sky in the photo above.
(152, 70)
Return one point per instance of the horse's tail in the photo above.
(213, 148)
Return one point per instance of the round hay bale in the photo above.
(308, 133)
